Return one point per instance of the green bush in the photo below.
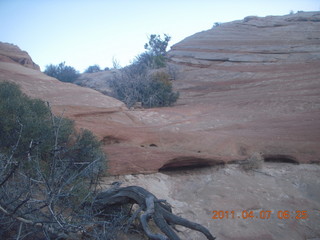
(48, 170)
(150, 61)
(154, 57)
(86, 150)
(62, 72)
(28, 126)
(136, 82)
(21, 118)
(156, 45)
(158, 61)
(143, 60)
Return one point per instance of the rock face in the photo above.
(289, 39)
(12, 53)
(254, 84)
(73, 99)
(246, 86)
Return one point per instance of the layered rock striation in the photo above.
(287, 39)
(255, 85)
(245, 86)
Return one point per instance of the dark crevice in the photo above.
(183, 168)
(280, 159)
(189, 163)
(110, 140)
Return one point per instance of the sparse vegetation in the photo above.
(115, 63)
(62, 72)
(253, 163)
(49, 175)
(31, 121)
(93, 69)
(47, 169)
(135, 84)
(156, 51)
(216, 24)
(140, 83)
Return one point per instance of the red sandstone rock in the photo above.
(12, 53)
(246, 86)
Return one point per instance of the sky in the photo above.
(88, 32)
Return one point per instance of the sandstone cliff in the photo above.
(246, 86)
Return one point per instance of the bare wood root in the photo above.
(158, 210)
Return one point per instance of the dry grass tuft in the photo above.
(254, 162)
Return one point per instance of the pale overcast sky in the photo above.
(84, 33)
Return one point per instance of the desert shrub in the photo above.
(151, 61)
(115, 63)
(85, 150)
(156, 47)
(48, 170)
(28, 119)
(62, 72)
(40, 132)
(128, 83)
(162, 93)
(143, 60)
(216, 24)
(154, 56)
(254, 162)
(93, 69)
(135, 84)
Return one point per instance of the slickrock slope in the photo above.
(254, 85)
(276, 187)
(89, 108)
(246, 86)
(274, 39)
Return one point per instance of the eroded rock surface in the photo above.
(246, 86)
(276, 187)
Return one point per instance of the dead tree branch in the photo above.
(154, 208)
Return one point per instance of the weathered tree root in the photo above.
(158, 210)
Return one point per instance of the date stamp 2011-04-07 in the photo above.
(261, 214)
